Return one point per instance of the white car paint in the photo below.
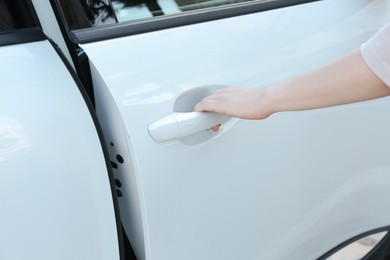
(292, 186)
(55, 196)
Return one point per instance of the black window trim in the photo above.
(20, 36)
(104, 32)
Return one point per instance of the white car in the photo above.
(98, 133)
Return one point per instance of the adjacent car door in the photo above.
(293, 186)
(55, 192)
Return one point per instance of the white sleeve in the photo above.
(376, 53)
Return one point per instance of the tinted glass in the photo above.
(89, 13)
(125, 10)
(17, 14)
(6, 22)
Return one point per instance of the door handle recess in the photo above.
(178, 125)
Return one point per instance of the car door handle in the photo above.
(178, 125)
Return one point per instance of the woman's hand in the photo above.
(245, 103)
(343, 81)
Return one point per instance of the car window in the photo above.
(85, 21)
(6, 22)
(18, 22)
(125, 10)
(90, 13)
(17, 14)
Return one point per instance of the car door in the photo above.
(297, 185)
(55, 192)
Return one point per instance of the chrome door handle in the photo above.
(178, 125)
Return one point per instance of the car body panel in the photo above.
(55, 194)
(292, 186)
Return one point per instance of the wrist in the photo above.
(267, 104)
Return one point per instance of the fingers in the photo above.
(210, 103)
(215, 128)
(199, 107)
(207, 104)
(203, 106)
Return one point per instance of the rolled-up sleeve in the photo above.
(376, 53)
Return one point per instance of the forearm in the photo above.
(344, 81)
